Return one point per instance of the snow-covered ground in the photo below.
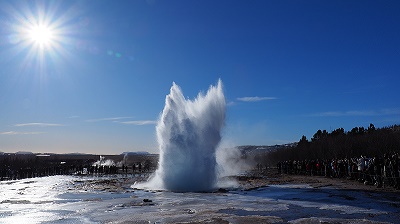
(66, 199)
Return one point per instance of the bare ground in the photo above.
(259, 179)
(250, 180)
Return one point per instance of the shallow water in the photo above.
(66, 199)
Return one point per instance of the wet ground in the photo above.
(277, 199)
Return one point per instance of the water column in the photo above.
(188, 134)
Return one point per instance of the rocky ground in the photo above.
(250, 180)
(241, 203)
(259, 179)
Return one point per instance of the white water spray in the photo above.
(188, 135)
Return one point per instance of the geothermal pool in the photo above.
(110, 199)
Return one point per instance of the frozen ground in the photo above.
(68, 199)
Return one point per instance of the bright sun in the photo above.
(41, 35)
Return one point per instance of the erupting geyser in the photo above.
(188, 133)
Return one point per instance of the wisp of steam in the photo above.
(188, 134)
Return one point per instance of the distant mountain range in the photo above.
(245, 149)
(136, 153)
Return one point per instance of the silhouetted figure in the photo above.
(378, 171)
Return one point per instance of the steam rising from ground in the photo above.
(188, 135)
(231, 162)
(104, 162)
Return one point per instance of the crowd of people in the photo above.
(15, 166)
(14, 173)
(381, 171)
(32, 171)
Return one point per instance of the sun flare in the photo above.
(41, 34)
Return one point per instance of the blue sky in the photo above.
(289, 68)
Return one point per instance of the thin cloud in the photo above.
(20, 133)
(383, 112)
(38, 125)
(108, 119)
(139, 122)
(231, 103)
(255, 98)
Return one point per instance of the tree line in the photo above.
(338, 143)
